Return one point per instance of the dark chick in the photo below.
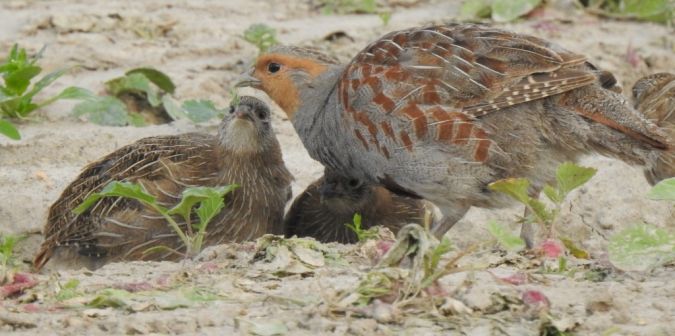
(245, 152)
(329, 203)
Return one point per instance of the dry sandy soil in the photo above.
(227, 291)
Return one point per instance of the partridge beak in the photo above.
(243, 113)
(247, 80)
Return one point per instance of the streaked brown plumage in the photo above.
(329, 203)
(655, 97)
(245, 152)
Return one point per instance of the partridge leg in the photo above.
(451, 215)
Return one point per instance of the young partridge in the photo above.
(654, 96)
(245, 152)
(440, 112)
(327, 205)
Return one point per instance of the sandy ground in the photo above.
(198, 43)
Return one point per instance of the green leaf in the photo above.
(571, 176)
(201, 110)
(156, 77)
(17, 107)
(136, 119)
(108, 111)
(514, 187)
(208, 209)
(74, 92)
(385, 17)
(641, 248)
(361, 233)
(539, 210)
(664, 190)
(7, 244)
(472, 9)
(69, 93)
(552, 194)
(194, 195)
(506, 239)
(172, 109)
(509, 10)
(135, 83)
(18, 81)
(575, 250)
(44, 82)
(651, 10)
(68, 290)
(120, 189)
(7, 129)
(442, 248)
(109, 297)
(261, 35)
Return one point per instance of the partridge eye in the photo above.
(353, 183)
(273, 67)
(262, 115)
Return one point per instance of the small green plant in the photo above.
(17, 92)
(660, 11)
(68, 290)
(209, 202)
(664, 190)
(505, 238)
(385, 17)
(261, 36)
(348, 6)
(644, 247)
(569, 176)
(497, 10)
(142, 90)
(641, 248)
(361, 234)
(7, 261)
(421, 252)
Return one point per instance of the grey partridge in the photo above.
(245, 152)
(440, 112)
(654, 96)
(327, 205)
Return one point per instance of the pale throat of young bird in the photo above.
(242, 136)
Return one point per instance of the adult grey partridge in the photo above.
(323, 209)
(654, 96)
(245, 152)
(440, 112)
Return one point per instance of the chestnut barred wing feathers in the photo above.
(428, 84)
(457, 67)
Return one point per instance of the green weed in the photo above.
(142, 91)
(18, 91)
(361, 234)
(208, 201)
(497, 10)
(660, 11)
(7, 261)
(261, 36)
(569, 176)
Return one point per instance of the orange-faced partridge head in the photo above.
(654, 96)
(245, 152)
(323, 209)
(440, 112)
